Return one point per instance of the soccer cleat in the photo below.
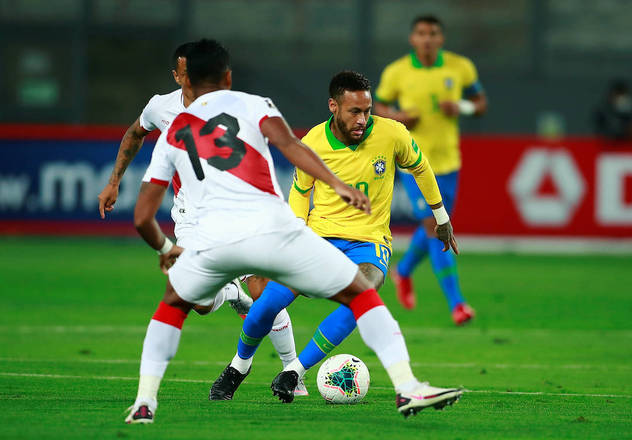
(405, 290)
(284, 385)
(226, 384)
(462, 314)
(242, 304)
(425, 396)
(140, 413)
(301, 389)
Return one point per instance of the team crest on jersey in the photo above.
(379, 165)
(448, 82)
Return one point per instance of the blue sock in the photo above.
(331, 332)
(444, 267)
(416, 252)
(258, 323)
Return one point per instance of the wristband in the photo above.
(466, 107)
(441, 215)
(166, 247)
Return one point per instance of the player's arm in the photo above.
(300, 155)
(130, 144)
(426, 181)
(474, 100)
(149, 201)
(300, 192)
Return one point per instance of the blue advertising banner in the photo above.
(59, 180)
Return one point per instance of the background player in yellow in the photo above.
(363, 151)
(427, 90)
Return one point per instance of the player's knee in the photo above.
(358, 285)
(255, 285)
(171, 298)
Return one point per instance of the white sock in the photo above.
(160, 345)
(241, 365)
(382, 334)
(282, 337)
(296, 365)
(148, 391)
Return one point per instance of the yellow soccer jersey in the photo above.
(419, 90)
(370, 167)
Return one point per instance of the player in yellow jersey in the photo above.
(431, 88)
(363, 151)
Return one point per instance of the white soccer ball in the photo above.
(343, 378)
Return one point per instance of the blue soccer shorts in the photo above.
(364, 252)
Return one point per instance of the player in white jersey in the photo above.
(158, 115)
(219, 147)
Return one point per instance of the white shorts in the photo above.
(299, 259)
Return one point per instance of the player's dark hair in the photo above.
(181, 51)
(207, 61)
(348, 80)
(430, 19)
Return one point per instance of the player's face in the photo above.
(426, 38)
(351, 114)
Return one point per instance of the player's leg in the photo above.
(372, 260)
(444, 263)
(256, 326)
(189, 282)
(418, 248)
(281, 335)
(376, 325)
(160, 345)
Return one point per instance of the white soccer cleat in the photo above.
(141, 413)
(242, 303)
(424, 396)
(301, 389)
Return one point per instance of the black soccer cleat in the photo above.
(226, 384)
(284, 385)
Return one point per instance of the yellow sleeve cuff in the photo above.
(299, 201)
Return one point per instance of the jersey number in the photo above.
(227, 140)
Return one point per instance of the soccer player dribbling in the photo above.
(364, 151)
(239, 207)
(432, 88)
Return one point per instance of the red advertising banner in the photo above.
(525, 186)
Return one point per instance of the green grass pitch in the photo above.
(549, 355)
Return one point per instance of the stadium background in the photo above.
(86, 68)
(549, 353)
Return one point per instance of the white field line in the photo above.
(123, 378)
(465, 365)
(452, 332)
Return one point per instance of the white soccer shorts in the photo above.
(299, 259)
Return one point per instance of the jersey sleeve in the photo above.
(265, 109)
(411, 159)
(387, 90)
(148, 116)
(161, 169)
(471, 85)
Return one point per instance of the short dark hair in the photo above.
(181, 51)
(430, 19)
(207, 61)
(348, 80)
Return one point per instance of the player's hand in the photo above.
(446, 235)
(354, 197)
(168, 259)
(107, 198)
(407, 118)
(449, 108)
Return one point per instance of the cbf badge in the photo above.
(379, 165)
(448, 82)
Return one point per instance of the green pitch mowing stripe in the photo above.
(548, 356)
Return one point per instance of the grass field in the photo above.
(549, 355)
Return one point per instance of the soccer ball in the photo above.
(343, 379)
